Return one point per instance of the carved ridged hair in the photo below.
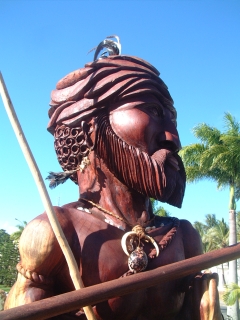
(115, 79)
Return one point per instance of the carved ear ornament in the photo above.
(57, 178)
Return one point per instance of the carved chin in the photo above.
(173, 178)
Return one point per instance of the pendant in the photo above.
(131, 245)
(137, 260)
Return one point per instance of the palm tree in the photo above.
(218, 237)
(238, 225)
(162, 212)
(202, 230)
(15, 236)
(219, 234)
(214, 234)
(158, 210)
(232, 294)
(217, 157)
(200, 227)
(210, 220)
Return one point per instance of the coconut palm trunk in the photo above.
(233, 310)
(223, 275)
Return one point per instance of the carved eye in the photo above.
(155, 111)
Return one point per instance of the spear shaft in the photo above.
(72, 265)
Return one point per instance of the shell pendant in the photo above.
(137, 260)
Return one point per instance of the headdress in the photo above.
(116, 79)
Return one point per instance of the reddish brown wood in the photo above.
(124, 128)
(70, 301)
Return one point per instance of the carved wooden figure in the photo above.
(115, 133)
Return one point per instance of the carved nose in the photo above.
(170, 137)
(172, 140)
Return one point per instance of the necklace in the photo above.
(105, 211)
(138, 260)
(115, 215)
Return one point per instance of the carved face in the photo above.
(149, 127)
(139, 144)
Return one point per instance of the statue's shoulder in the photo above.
(160, 221)
(38, 245)
(187, 228)
(62, 214)
(191, 239)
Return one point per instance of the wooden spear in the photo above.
(72, 265)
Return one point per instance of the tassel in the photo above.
(57, 178)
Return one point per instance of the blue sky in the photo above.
(194, 44)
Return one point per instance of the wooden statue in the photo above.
(115, 134)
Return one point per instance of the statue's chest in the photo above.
(101, 255)
(102, 259)
(107, 262)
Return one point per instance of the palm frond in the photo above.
(193, 174)
(15, 236)
(200, 227)
(214, 233)
(192, 154)
(206, 134)
(232, 294)
(231, 124)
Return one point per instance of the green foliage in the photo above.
(162, 212)
(202, 229)
(5, 288)
(158, 210)
(232, 294)
(214, 233)
(9, 257)
(15, 236)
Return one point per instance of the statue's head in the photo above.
(122, 100)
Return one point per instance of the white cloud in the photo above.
(6, 226)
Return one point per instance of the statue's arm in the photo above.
(40, 259)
